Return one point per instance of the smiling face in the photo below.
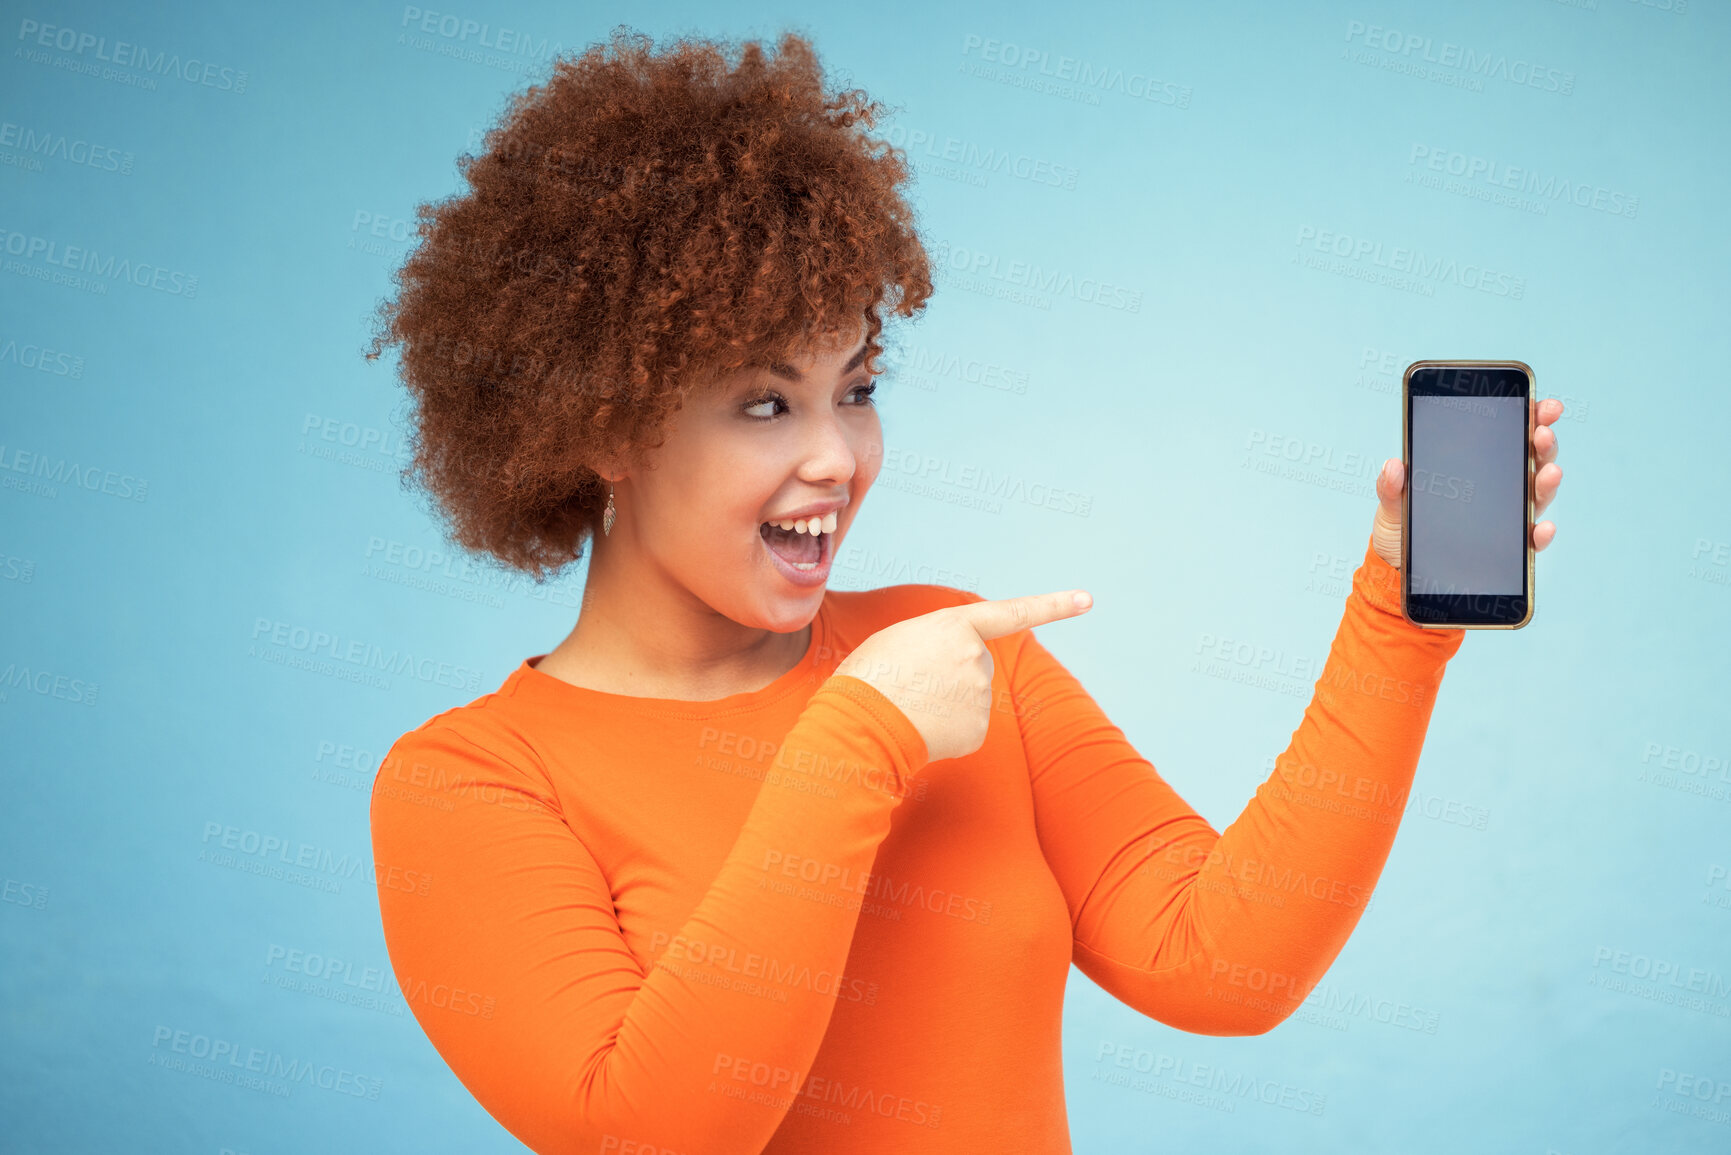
(788, 442)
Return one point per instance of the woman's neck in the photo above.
(634, 638)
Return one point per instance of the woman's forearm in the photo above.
(1276, 897)
(1224, 933)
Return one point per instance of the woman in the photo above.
(747, 864)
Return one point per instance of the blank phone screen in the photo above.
(1469, 495)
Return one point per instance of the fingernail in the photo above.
(1083, 599)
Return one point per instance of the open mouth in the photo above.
(802, 551)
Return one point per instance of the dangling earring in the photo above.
(609, 513)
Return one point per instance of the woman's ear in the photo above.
(616, 468)
(609, 469)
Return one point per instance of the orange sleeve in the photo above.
(1225, 934)
(545, 1015)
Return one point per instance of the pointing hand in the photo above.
(937, 670)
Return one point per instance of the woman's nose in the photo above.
(827, 453)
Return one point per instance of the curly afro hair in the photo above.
(634, 226)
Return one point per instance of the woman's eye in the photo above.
(759, 403)
(862, 393)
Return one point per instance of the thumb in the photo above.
(1386, 531)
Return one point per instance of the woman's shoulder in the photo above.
(477, 740)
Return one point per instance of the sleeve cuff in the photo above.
(1378, 582)
(899, 734)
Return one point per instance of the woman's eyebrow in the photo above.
(782, 369)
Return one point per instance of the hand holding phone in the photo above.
(1456, 515)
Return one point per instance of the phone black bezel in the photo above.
(1407, 606)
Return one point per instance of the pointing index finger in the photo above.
(1007, 615)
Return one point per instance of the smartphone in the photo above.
(1467, 546)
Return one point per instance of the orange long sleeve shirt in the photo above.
(766, 923)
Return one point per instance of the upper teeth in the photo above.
(811, 525)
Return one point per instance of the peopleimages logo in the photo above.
(1072, 72)
(463, 30)
(973, 267)
(42, 359)
(978, 161)
(354, 659)
(1496, 176)
(92, 50)
(1400, 267)
(1411, 50)
(262, 1068)
(98, 268)
(37, 143)
(44, 473)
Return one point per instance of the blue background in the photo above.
(188, 476)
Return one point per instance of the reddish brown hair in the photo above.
(635, 225)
